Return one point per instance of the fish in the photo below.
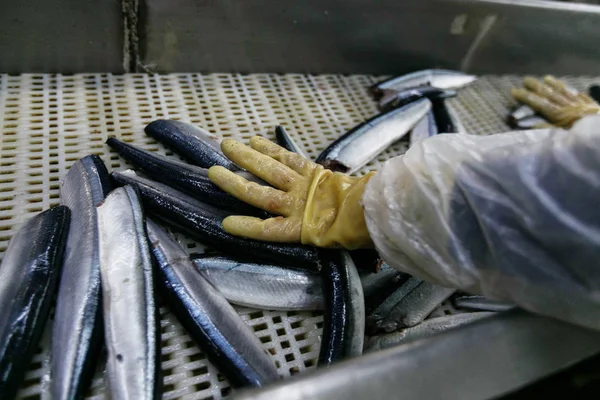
(131, 328)
(444, 120)
(200, 147)
(485, 359)
(426, 328)
(424, 129)
(344, 320)
(77, 331)
(393, 98)
(204, 223)
(379, 285)
(374, 320)
(210, 320)
(416, 306)
(522, 111)
(532, 122)
(360, 145)
(286, 141)
(28, 281)
(260, 285)
(481, 303)
(594, 92)
(188, 178)
(438, 78)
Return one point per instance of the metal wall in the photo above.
(314, 36)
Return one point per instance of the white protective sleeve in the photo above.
(512, 216)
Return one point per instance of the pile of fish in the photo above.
(105, 254)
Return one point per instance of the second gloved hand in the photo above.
(316, 206)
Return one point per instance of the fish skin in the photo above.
(205, 224)
(425, 329)
(130, 314)
(208, 317)
(394, 98)
(443, 120)
(286, 141)
(197, 145)
(374, 320)
(188, 178)
(481, 303)
(343, 326)
(522, 111)
(262, 286)
(380, 285)
(424, 129)
(439, 78)
(532, 122)
(28, 281)
(77, 333)
(416, 306)
(364, 142)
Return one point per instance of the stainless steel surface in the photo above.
(479, 361)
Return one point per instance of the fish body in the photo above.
(77, 330)
(443, 119)
(260, 285)
(481, 303)
(360, 145)
(393, 98)
(522, 111)
(416, 306)
(28, 281)
(532, 122)
(377, 316)
(130, 314)
(344, 320)
(208, 317)
(426, 328)
(205, 224)
(197, 145)
(188, 178)
(438, 78)
(424, 129)
(286, 141)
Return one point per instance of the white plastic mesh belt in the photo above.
(47, 122)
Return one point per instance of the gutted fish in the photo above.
(416, 306)
(204, 223)
(285, 141)
(374, 320)
(208, 317)
(188, 178)
(197, 145)
(360, 145)
(344, 321)
(424, 129)
(260, 285)
(77, 332)
(426, 328)
(28, 281)
(438, 78)
(130, 315)
(481, 303)
(393, 98)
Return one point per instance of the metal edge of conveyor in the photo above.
(494, 356)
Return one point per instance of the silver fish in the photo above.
(416, 306)
(481, 303)
(532, 122)
(426, 328)
(208, 317)
(439, 78)
(77, 331)
(374, 320)
(374, 282)
(522, 111)
(360, 145)
(482, 360)
(130, 326)
(260, 285)
(286, 141)
(424, 129)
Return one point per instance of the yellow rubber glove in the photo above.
(317, 206)
(555, 101)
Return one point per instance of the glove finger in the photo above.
(279, 229)
(546, 91)
(587, 100)
(265, 197)
(272, 171)
(562, 88)
(538, 103)
(295, 161)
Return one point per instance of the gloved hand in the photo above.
(318, 206)
(555, 101)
